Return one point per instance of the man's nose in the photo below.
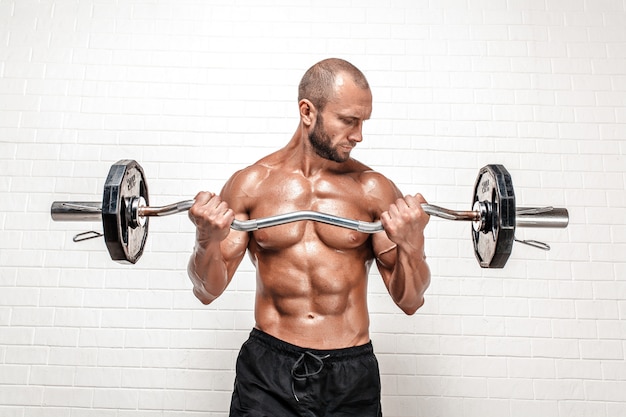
(356, 135)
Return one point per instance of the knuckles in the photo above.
(405, 211)
(209, 209)
(211, 216)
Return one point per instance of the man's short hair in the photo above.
(318, 83)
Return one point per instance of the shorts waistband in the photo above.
(297, 351)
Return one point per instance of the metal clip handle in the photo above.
(534, 244)
(92, 234)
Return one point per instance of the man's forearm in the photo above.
(208, 273)
(409, 280)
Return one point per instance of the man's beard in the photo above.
(321, 142)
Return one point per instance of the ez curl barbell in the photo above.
(125, 211)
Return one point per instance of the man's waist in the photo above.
(295, 350)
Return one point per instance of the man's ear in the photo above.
(308, 112)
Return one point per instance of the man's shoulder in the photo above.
(377, 185)
(369, 175)
(255, 175)
(252, 174)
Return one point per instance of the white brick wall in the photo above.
(195, 90)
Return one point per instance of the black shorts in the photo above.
(276, 379)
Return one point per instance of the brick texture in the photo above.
(195, 90)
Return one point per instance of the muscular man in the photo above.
(310, 353)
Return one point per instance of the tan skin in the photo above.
(312, 277)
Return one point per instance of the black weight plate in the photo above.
(124, 182)
(493, 246)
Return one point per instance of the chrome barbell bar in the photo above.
(540, 217)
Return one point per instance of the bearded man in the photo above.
(310, 353)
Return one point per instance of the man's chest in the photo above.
(343, 198)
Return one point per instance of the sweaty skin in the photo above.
(311, 278)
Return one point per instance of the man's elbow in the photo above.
(411, 308)
(199, 290)
(203, 295)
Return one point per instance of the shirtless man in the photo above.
(310, 353)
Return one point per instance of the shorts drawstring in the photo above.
(298, 375)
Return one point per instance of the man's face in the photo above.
(339, 126)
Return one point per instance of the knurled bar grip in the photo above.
(541, 217)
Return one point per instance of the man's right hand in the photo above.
(212, 218)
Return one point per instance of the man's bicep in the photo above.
(233, 193)
(383, 193)
(384, 250)
(233, 250)
(235, 245)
